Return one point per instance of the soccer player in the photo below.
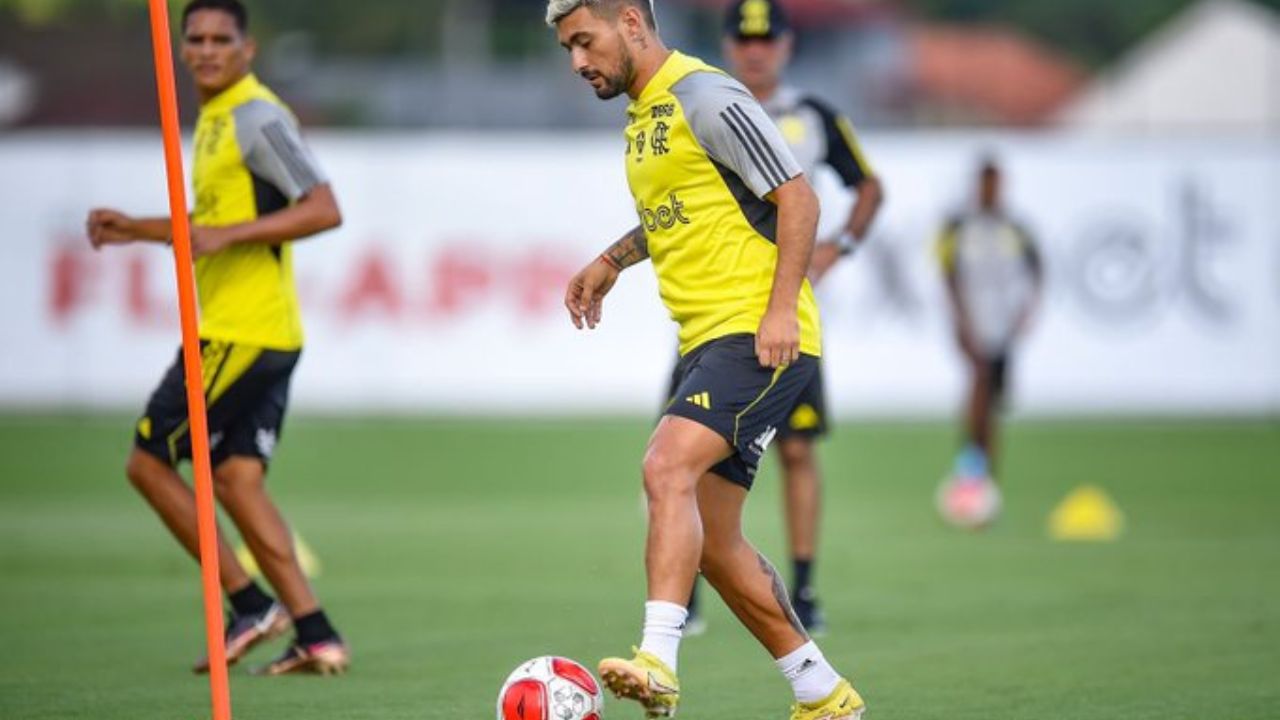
(729, 220)
(994, 276)
(257, 189)
(758, 44)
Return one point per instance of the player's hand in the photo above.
(109, 227)
(778, 339)
(585, 297)
(825, 257)
(206, 241)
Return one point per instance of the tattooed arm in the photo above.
(585, 297)
(631, 249)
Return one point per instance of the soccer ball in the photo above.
(550, 688)
(969, 502)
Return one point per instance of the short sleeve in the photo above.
(844, 154)
(274, 150)
(947, 246)
(1030, 249)
(735, 131)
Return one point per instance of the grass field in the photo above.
(454, 549)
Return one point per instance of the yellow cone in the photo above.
(1088, 514)
(306, 558)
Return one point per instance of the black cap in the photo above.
(756, 19)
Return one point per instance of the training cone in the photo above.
(306, 558)
(1087, 514)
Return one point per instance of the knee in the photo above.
(666, 478)
(983, 376)
(141, 470)
(224, 486)
(231, 478)
(796, 454)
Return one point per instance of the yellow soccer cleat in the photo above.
(843, 704)
(645, 679)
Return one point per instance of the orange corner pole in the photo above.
(206, 516)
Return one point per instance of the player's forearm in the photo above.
(152, 229)
(315, 213)
(870, 198)
(797, 227)
(631, 249)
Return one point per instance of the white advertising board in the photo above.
(442, 291)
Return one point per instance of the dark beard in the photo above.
(615, 85)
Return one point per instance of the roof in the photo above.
(1216, 67)
(990, 74)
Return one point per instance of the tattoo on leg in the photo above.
(780, 594)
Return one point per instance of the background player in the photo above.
(994, 277)
(257, 188)
(729, 221)
(758, 44)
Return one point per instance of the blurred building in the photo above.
(1215, 68)
(986, 75)
(492, 64)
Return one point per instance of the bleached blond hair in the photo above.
(558, 10)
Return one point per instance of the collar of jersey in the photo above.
(237, 94)
(676, 66)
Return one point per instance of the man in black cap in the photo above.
(758, 43)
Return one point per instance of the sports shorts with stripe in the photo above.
(722, 385)
(246, 390)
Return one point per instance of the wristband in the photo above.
(604, 258)
(848, 244)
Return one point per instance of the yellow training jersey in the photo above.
(250, 161)
(703, 158)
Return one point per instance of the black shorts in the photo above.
(246, 390)
(722, 385)
(807, 419)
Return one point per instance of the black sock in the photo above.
(314, 628)
(801, 570)
(250, 600)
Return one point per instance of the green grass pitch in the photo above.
(453, 549)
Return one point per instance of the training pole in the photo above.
(206, 516)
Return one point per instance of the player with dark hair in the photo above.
(729, 220)
(758, 43)
(258, 188)
(994, 277)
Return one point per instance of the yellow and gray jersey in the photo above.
(703, 160)
(818, 135)
(250, 161)
(996, 265)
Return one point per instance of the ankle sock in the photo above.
(812, 678)
(249, 600)
(663, 628)
(314, 628)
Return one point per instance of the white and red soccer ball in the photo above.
(550, 688)
(969, 502)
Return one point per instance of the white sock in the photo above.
(663, 628)
(812, 678)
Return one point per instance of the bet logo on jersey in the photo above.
(663, 217)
